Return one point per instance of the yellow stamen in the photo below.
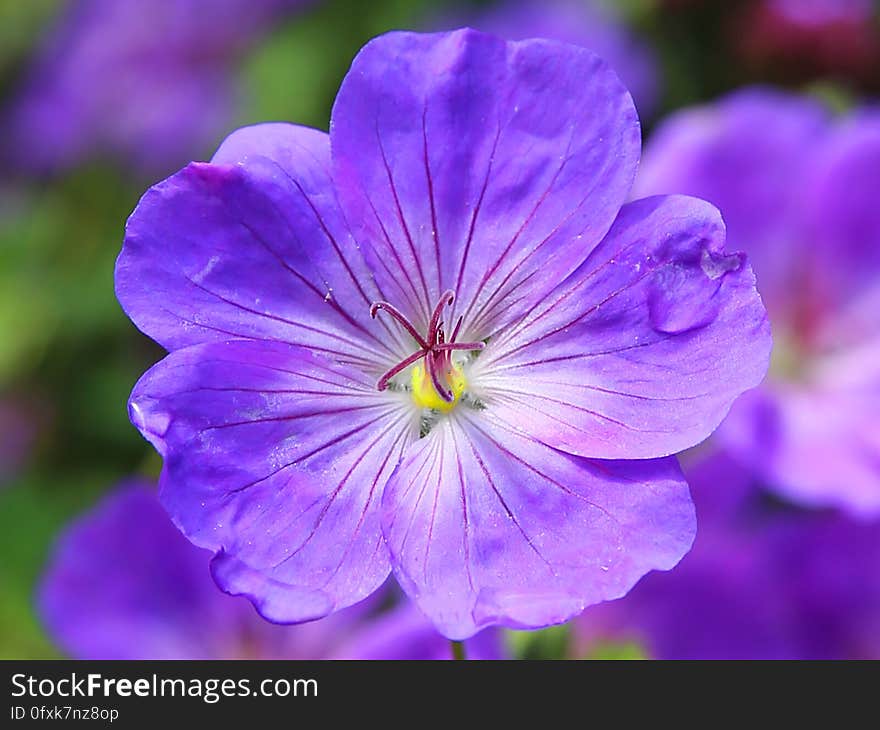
(426, 396)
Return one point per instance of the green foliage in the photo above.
(20, 23)
(617, 650)
(552, 643)
(294, 75)
(32, 510)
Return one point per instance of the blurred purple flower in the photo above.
(589, 333)
(586, 23)
(798, 194)
(123, 583)
(761, 582)
(150, 82)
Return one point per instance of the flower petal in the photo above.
(257, 249)
(123, 583)
(593, 25)
(405, 634)
(485, 167)
(832, 460)
(273, 599)
(277, 457)
(747, 155)
(759, 583)
(487, 526)
(642, 351)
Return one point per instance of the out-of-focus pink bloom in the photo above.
(805, 38)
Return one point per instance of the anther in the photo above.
(435, 349)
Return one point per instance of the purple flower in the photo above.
(450, 383)
(148, 82)
(762, 582)
(585, 23)
(796, 191)
(123, 583)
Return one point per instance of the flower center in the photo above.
(437, 381)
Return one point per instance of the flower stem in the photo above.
(458, 650)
